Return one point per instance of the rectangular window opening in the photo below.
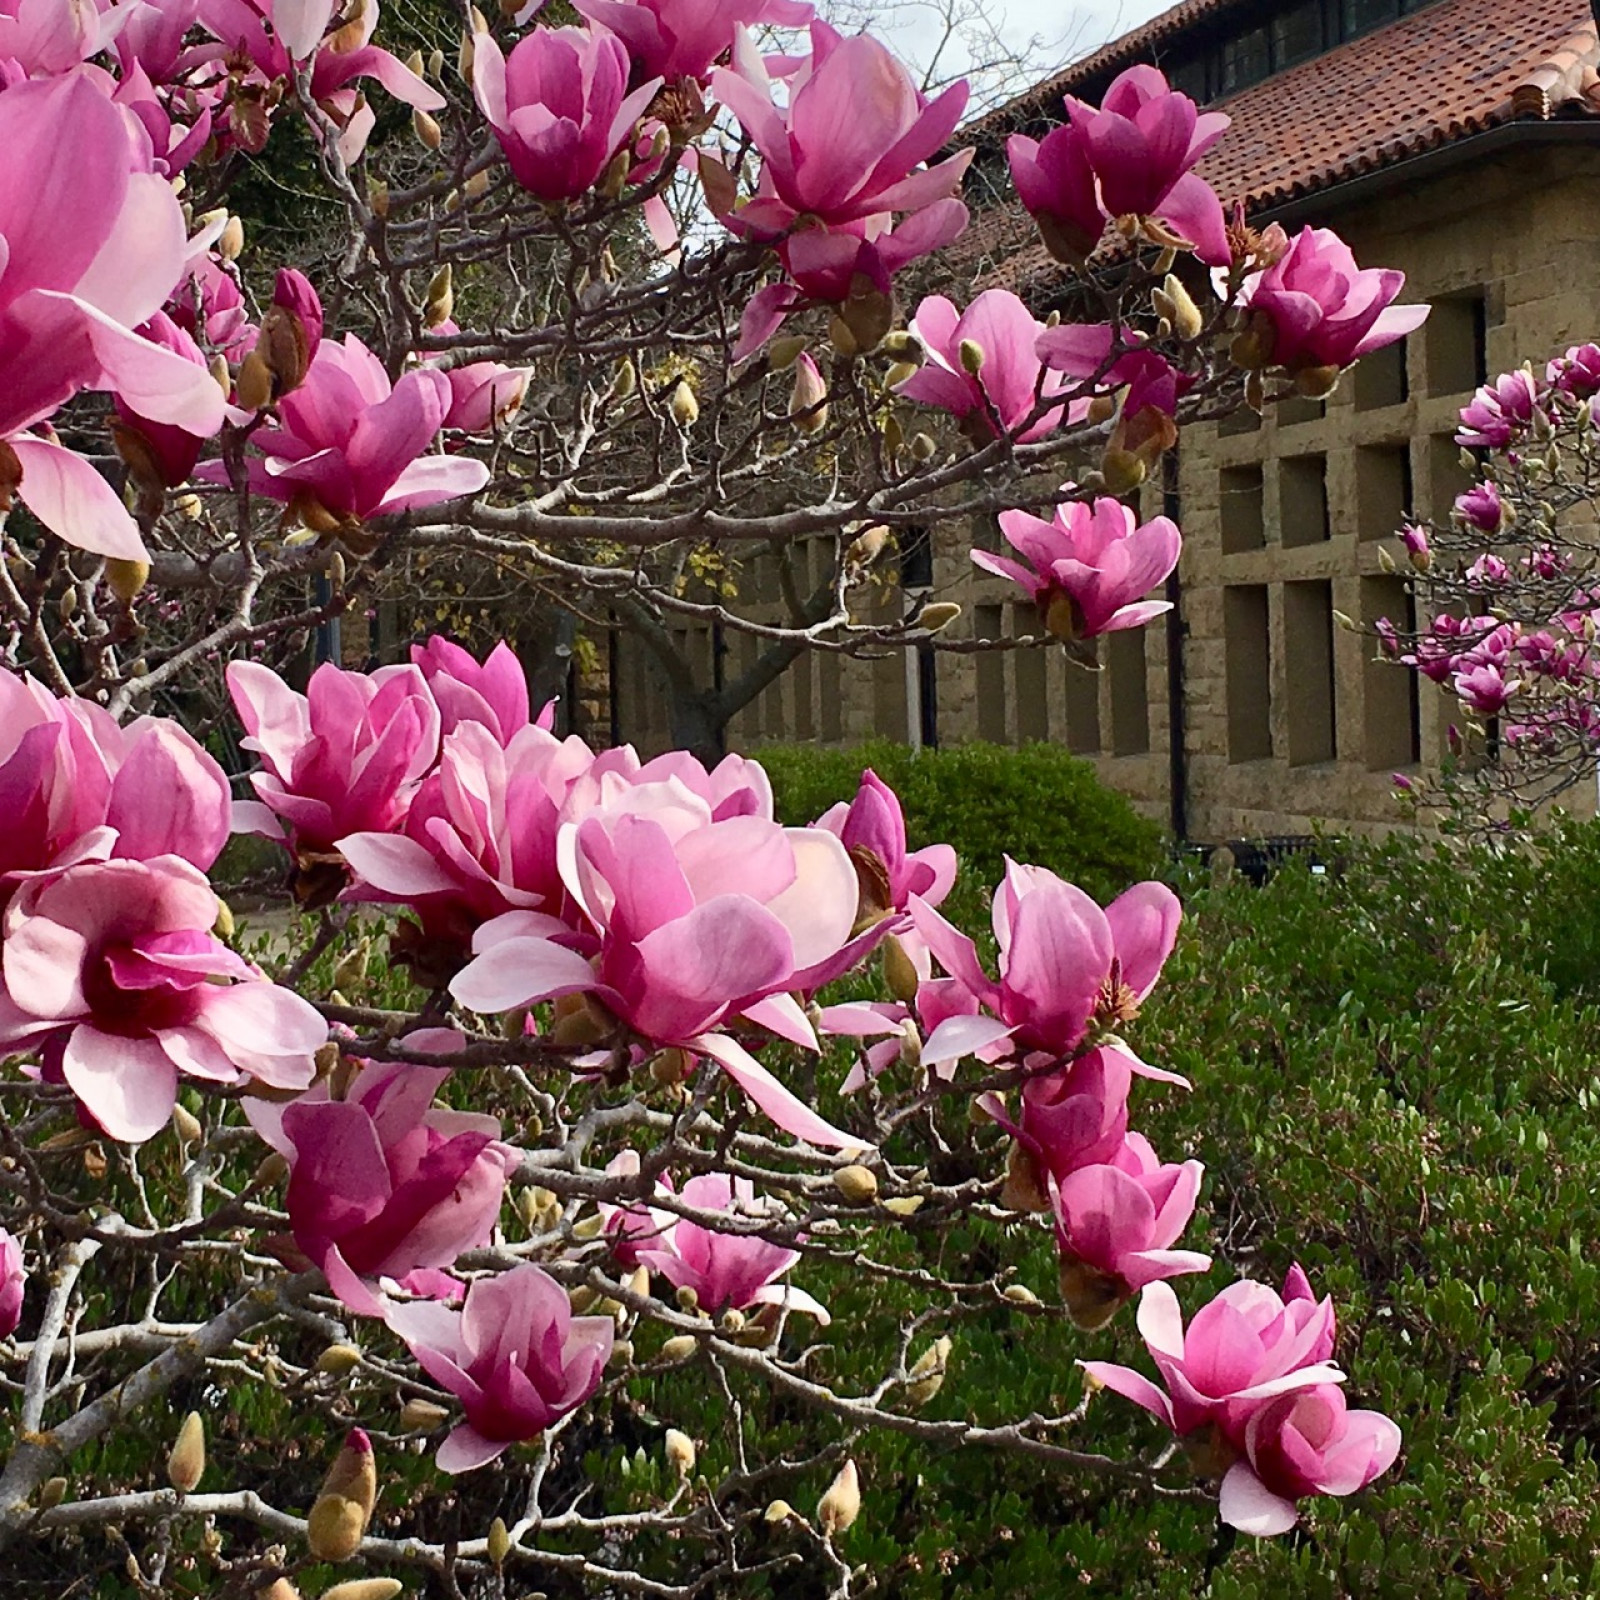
(989, 623)
(1130, 692)
(1383, 489)
(1303, 500)
(1380, 378)
(1248, 662)
(1391, 705)
(1032, 678)
(1083, 704)
(1455, 344)
(1308, 678)
(1243, 522)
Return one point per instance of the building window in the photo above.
(1297, 409)
(1189, 77)
(1246, 59)
(1391, 710)
(1243, 526)
(1447, 477)
(1242, 420)
(1083, 704)
(1248, 662)
(989, 621)
(1380, 378)
(1383, 489)
(1130, 692)
(1032, 678)
(1361, 16)
(1302, 500)
(1455, 345)
(1308, 672)
(1297, 34)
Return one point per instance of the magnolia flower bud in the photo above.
(435, 62)
(782, 352)
(186, 1125)
(590, 1227)
(1019, 1294)
(680, 1452)
(51, 1493)
(684, 407)
(927, 1372)
(972, 357)
(378, 197)
(465, 56)
(624, 379)
(898, 373)
(838, 1509)
(680, 1347)
(343, 1508)
(364, 1589)
(938, 616)
(1122, 470)
(272, 1170)
(187, 1463)
(903, 346)
(923, 446)
(866, 547)
(230, 242)
(808, 409)
(337, 1360)
(422, 1416)
(1175, 303)
(857, 1184)
(904, 1205)
(499, 1541)
(126, 578)
(910, 1046)
(731, 1320)
(67, 605)
(621, 1355)
(841, 337)
(440, 302)
(428, 132)
(899, 973)
(778, 1511)
(253, 388)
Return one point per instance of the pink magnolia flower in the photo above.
(485, 396)
(173, 143)
(692, 921)
(1500, 411)
(1064, 962)
(630, 1227)
(13, 1282)
(1486, 573)
(560, 105)
(514, 1356)
(75, 785)
(1304, 1443)
(351, 447)
(1486, 688)
(46, 39)
(156, 452)
(674, 39)
(855, 129)
(383, 1183)
(493, 692)
(1132, 156)
(111, 970)
(734, 1270)
(1006, 390)
(1088, 566)
(151, 37)
(345, 757)
(1116, 1224)
(872, 828)
(1315, 308)
(78, 279)
(1577, 372)
(1418, 545)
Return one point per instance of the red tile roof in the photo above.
(1455, 68)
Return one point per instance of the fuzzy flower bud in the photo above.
(927, 1372)
(186, 1464)
(808, 409)
(838, 1509)
(857, 1184)
(682, 404)
(680, 1452)
(343, 1508)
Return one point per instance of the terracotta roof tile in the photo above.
(1456, 68)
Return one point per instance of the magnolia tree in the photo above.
(1509, 608)
(643, 1067)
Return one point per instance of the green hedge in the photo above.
(1038, 804)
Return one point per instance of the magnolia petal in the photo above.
(782, 1105)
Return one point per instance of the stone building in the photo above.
(1458, 140)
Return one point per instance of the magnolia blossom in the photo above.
(351, 447)
(846, 148)
(559, 106)
(872, 828)
(1004, 392)
(1315, 309)
(485, 396)
(382, 1183)
(513, 1355)
(1089, 565)
(692, 920)
(1577, 372)
(1486, 688)
(158, 453)
(1249, 1384)
(1500, 411)
(80, 275)
(1116, 1223)
(346, 756)
(111, 970)
(13, 1283)
(493, 692)
(674, 39)
(1064, 963)
(733, 1270)
(1133, 156)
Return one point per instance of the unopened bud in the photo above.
(1180, 309)
(679, 1347)
(337, 1360)
(378, 197)
(731, 1320)
(910, 1045)
(927, 1372)
(440, 302)
(499, 1541)
(126, 578)
(67, 605)
(273, 1170)
(857, 1184)
(1101, 409)
(903, 1205)
(903, 346)
(621, 1356)
(364, 1589)
(972, 357)
(1386, 561)
(186, 1125)
(680, 1452)
(1344, 621)
(867, 546)
(1122, 470)
(278, 1589)
(1019, 1294)
(343, 1507)
(838, 1509)
(923, 446)
(422, 1416)
(51, 1493)
(624, 379)
(187, 1463)
(253, 388)
(778, 1511)
(590, 1227)
(435, 62)
(684, 407)
(466, 54)
(898, 373)
(939, 615)
(782, 352)
(808, 396)
(899, 971)
(428, 132)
